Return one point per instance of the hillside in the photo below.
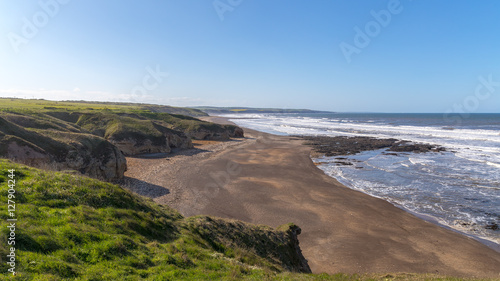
(92, 138)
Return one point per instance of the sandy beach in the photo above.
(271, 180)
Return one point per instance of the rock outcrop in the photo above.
(100, 160)
(341, 145)
(280, 246)
(221, 132)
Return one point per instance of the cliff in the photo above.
(42, 142)
(94, 140)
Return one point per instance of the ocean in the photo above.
(458, 188)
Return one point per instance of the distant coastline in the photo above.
(213, 110)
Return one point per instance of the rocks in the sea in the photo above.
(406, 146)
(343, 163)
(492, 226)
(341, 145)
(470, 226)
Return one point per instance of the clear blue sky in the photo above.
(427, 57)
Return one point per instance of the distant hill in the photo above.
(232, 110)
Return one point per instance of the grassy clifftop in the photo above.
(88, 105)
(76, 227)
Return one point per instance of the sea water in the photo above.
(459, 187)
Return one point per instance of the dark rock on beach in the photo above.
(341, 145)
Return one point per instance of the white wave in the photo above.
(496, 165)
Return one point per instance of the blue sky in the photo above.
(411, 56)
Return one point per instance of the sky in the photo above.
(345, 56)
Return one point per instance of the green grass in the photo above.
(38, 104)
(76, 228)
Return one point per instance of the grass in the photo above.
(39, 104)
(77, 228)
(108, 120)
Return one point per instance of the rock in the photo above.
(237, 133)
(341, 145)
(216, 132)
(343, 163)
(103, 161)
(178, 141)
(492, 226)
(298, 260)
(133, 146)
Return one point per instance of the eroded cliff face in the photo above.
(280, 246)
(224, 132)
(21, 152)
(131, 146)
(139, 144)
(101, 160)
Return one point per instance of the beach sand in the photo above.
(271, 180)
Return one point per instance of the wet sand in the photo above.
(271, 180)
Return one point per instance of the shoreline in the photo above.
(432, 219)
(271, 180)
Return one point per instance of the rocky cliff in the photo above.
(280, 246)
(94, 142)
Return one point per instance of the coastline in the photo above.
(268, 179)
(432, 219)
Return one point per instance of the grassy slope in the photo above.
(85, 105)
(77, 228)
(105, 119)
